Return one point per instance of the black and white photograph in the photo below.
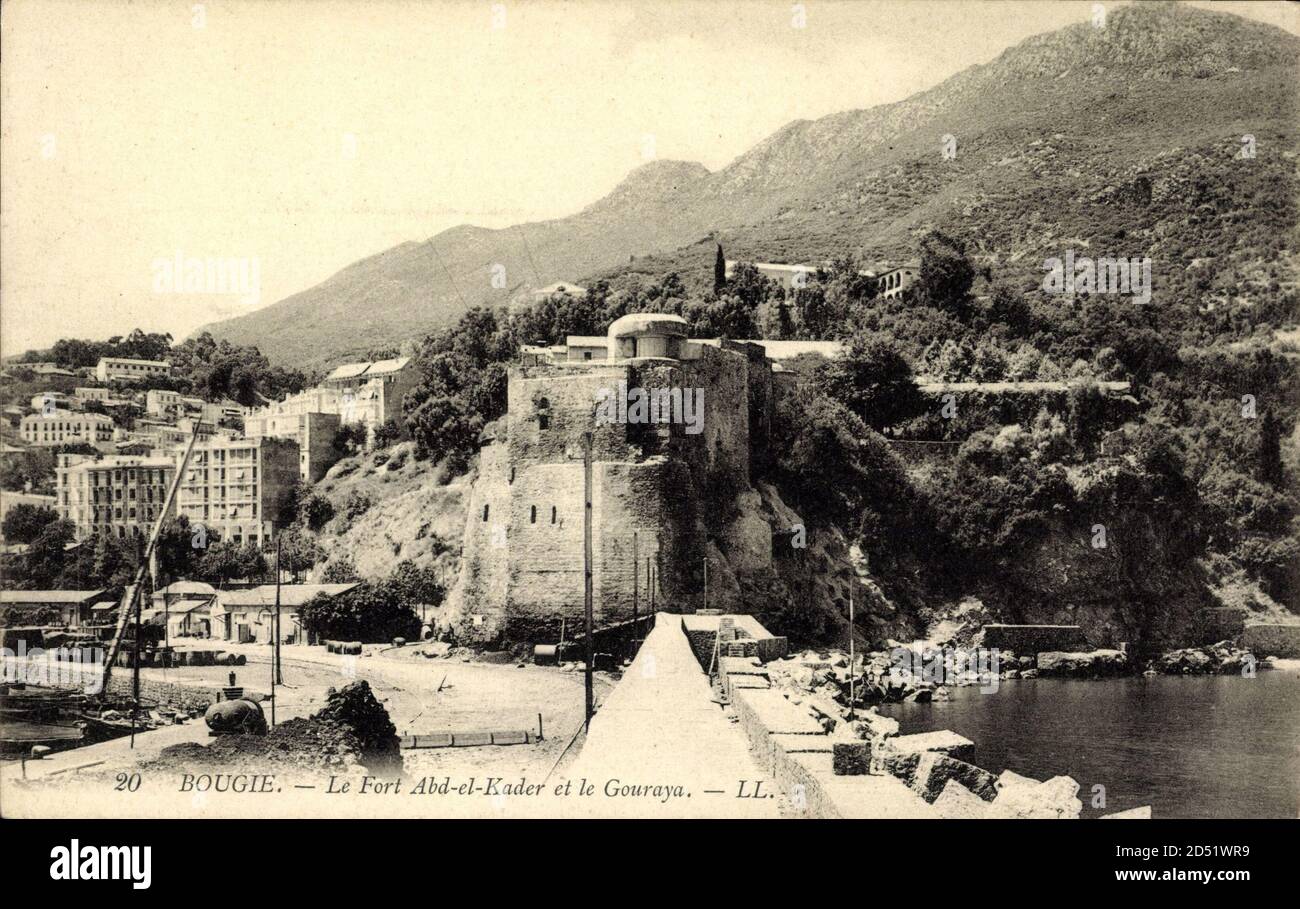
(652, 410)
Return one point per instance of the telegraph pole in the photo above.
(851, 698)
(135, 669)
(636, 578)
(586, 573)
(276, 678)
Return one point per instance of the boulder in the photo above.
(943, 741)
(956, 802)
(850, 758)
(1009, 779)
(935, 770)
(1189, 661)
(1088, 665)
(901, 765)
(1223, 657)
(1052, 800)
(803, 677)
(871, 725)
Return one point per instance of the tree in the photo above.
(357, 504)
(750, 286)
(463, 387)
(340, 570)
(365, 613)
(819, 317)
(226, 561)
(181, 546)
(389, 433)
(413, 586)
(874, 380)
(24, 522)
(1008, 307)
(316, 511)
(299, 551)
(1086, 417)
(349, 439)
(729, 316)
(819, 439)
(32, 470)
(47, 555)
(946, 274)
(719, 271)
(1269, 451)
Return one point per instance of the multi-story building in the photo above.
(116, 495)
(896, 281)
(313, 431)
(89, 393)
(124, 368)
(236, 487)
(61, 427)
(167, 435)
(163, 403)
(371, 393)
(215, 412)
(890, 283)
(368, 394)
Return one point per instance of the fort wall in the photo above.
(660, 490)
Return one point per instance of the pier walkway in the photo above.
(660, 727)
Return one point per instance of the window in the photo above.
(532, 517)
(485, 514)
(552, 514)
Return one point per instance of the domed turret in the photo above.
(647, 334)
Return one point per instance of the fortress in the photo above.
(661, 486)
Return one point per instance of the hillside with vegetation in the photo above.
(1124, 140)
(1127, 515)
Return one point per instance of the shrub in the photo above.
(357, 504)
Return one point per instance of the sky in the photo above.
(292, 139)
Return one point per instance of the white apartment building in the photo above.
(162, 403)
(120, 496)
(235, 487)
(61, 427)
(124, 368)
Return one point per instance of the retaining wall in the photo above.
(166, 694)
(794, 750)
(1272, 640)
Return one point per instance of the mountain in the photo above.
(1125, 139)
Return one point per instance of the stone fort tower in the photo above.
(658, 487)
